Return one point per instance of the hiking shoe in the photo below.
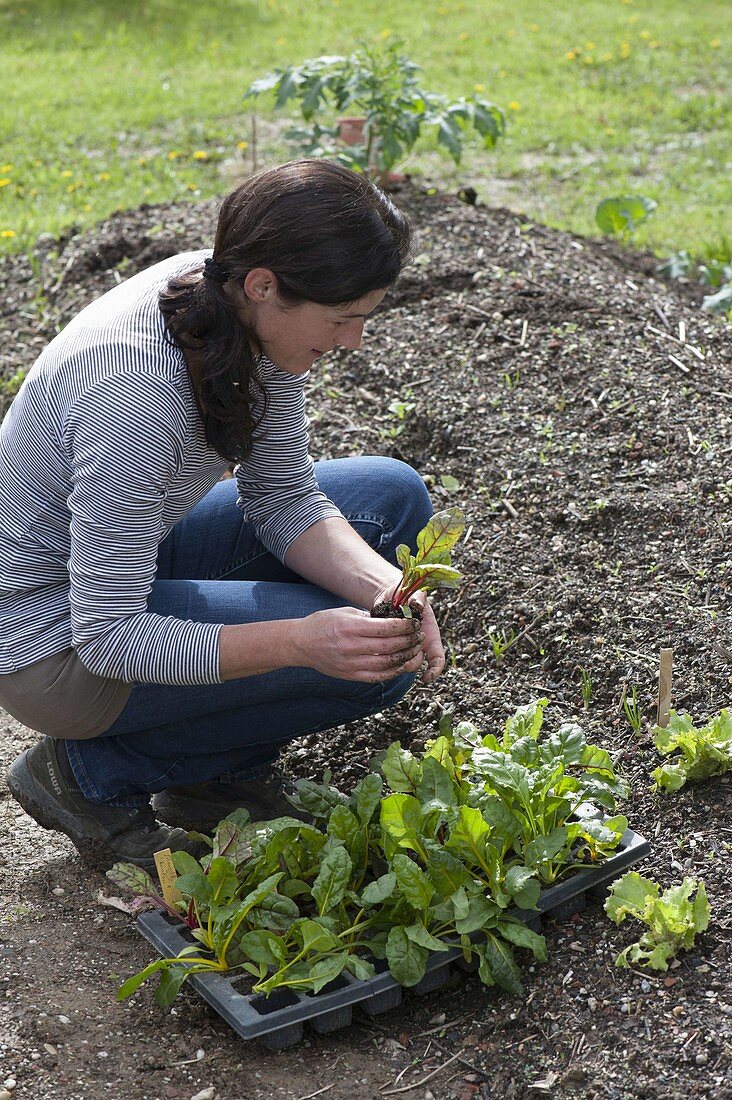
(203, 805)
(103, 834)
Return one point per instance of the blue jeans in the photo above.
(212, 568)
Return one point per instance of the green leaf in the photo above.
(378, 891)
(623, 214)
(445, 871)
(133, 984)
(360, 968)
(481, 912)
(400, 769)
(525, 722)
(367, 796)
(520, 935)
(318, 799)
(327, 970)
(262, 946)
(332, 881)
(418, 934)
(413, 882)
(504, 970)
(171, 979)
(630, 895)
(314, 937)
(436, 784)
(437, 538)
(401, 821)
(522, 886)
(545, 848)
(407, 960)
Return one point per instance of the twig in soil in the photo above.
(677, 362)
(661, 315)
(509, 508)
(723, 651)
(524, 333)
(463, 1061)
(440, 1027)
(418, 1084)
(320, 1092)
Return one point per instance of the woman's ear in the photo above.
(260, 285)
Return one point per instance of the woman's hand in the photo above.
(348, 644)
(432, 646)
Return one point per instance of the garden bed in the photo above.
(540, 372)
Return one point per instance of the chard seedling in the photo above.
(673, 918)
(429, 568)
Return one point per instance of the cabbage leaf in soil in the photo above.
(428, 852)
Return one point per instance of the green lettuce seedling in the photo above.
(429, 568)
(700, 752)
(673, 918)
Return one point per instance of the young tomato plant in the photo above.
(429, 568)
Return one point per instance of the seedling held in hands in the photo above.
(429, 568)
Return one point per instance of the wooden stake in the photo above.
(167, 875)
(664, 686)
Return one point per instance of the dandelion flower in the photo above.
(714, 43)
(66, 174)
(514, 106)
(644, 34)
(6, 168)
(87, 207)
(4, 181)
(590, 46)
(386, 33)
(479, 87)
(7, 233)
(101, 176)
(200, 154)
(242, 144)
(570, 55)
(173, 154)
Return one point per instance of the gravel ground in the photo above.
(578, 409)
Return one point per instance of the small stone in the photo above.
(677, 1011)
(58, 891)
(646, 986)
(625, 1007)
(592, 1003)
(702, 1058)
(5, 1095)
(205, 1094)
(50, 1048)
(64, 1020)
(102, 1054)
(10, 1083)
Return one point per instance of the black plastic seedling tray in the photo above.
(279, 1019)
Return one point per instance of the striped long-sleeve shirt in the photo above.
(101, 453)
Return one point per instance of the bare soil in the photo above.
(580, 409)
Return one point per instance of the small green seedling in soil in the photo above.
(673, 918)
(620, 216)
(429, 568)
(697, 752)
(500, 644)
(586, 687)
(632, 709)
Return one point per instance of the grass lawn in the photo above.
(112, 103)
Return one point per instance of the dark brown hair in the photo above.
(328, 235)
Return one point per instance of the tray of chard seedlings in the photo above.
(448, 857)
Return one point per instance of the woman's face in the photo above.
(294, 336)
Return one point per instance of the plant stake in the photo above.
(664, 687)
(167, 875)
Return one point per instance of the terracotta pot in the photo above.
(351, 131)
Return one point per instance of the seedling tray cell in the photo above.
(278, 1020)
